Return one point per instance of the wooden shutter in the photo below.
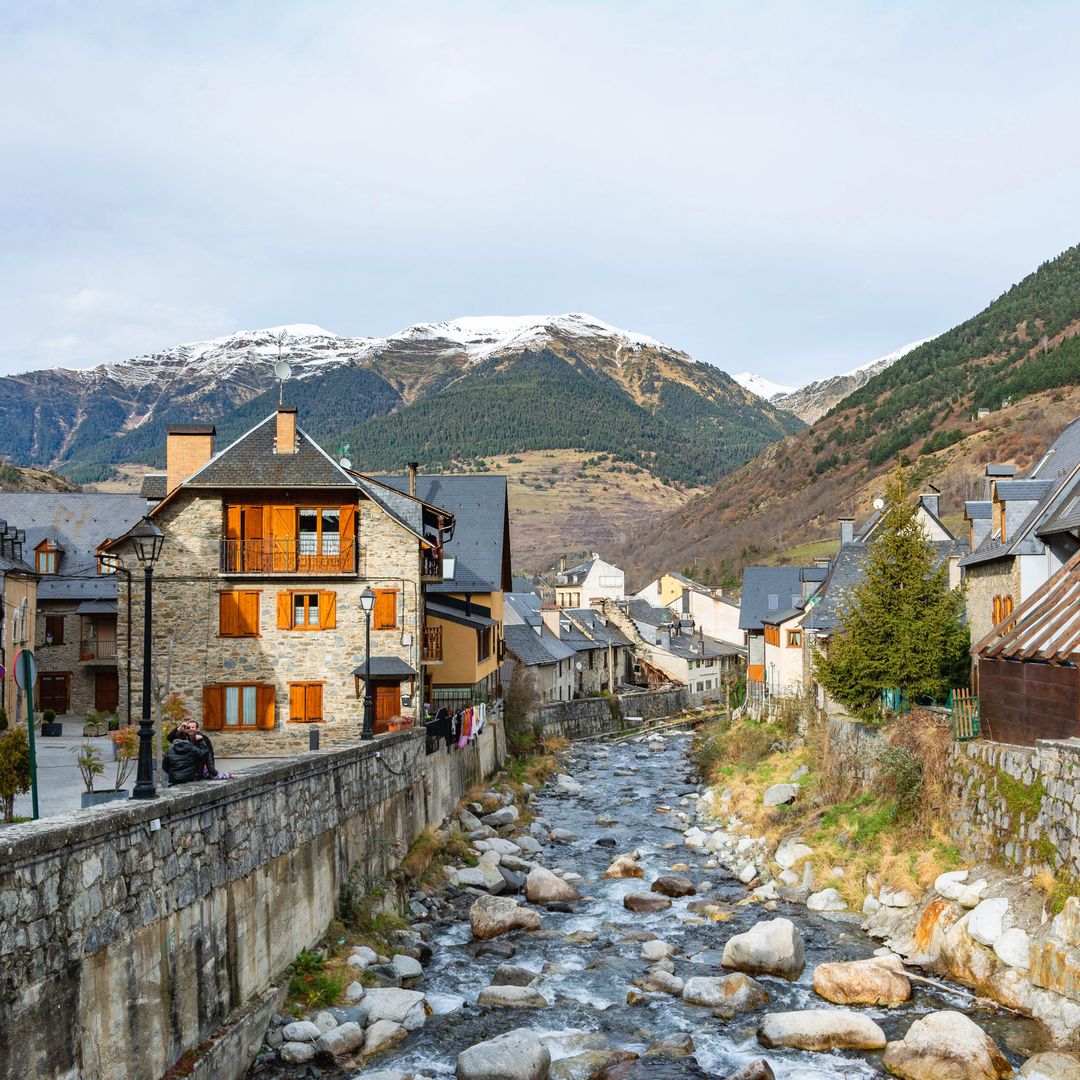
(232, 522)
(296, 702)
(229, 610)
(248, 613)
(327, 610)
(264, 706)
(284, 546)
(385, 614)
(313, 702)
(284, 611)
(212, 708)
(347, 533)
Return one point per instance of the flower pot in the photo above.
(53, 730)
(96, 798)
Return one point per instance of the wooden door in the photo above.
(53, 692)
(106, 691)
(387, 704)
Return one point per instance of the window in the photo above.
(54, 629)
(238, 614)
(794, 639)
(238, 706)
(774, 601)
(772, 635)
(384, 614)
(46, 557)
(307, 610)
(305, 702)
(319, 531)
(106, 562)
(483, 644)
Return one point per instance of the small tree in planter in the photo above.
(126, 741)
(14, 769)
(49, 726)
(88, 758)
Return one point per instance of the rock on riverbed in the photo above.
(491, 916)
(880, 980)
(517, 1055)
(774, 947)
(946, 1044)
(821, 1029)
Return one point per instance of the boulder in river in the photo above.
(773, 947)
(491, 916)
(821, 1029)
(625, 866)
(946, 1044)
(544, 887)
(671, 1046)
(517, 1055)
(758, 1069)
(1051, 1065)
(673, 885)
(405, 1007)
(341, 1039)
(880, 980)
(645, 902)
(985, 923)
(826, 900)
(512, 997)
(381, 1036)
(660, 981)
(736, 992)
(512, 975)
(656, 950)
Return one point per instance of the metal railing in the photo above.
(272, 557)
(97, 650)
(431, 644)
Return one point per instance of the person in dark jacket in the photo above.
(186, 759)
(189, 729)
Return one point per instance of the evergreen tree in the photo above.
(903, 628)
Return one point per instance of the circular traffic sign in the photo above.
(25, 669)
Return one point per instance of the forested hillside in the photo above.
(1019, 358)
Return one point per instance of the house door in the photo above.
(53, 692)
(387, 704)
(106, 691)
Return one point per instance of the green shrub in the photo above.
(14, 769)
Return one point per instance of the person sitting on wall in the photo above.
(189, 729)
(187, 758)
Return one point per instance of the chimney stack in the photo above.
(847, 530)
(285, 436)
(931, 500)
(188, 447)
(550, 617)
(412, 467)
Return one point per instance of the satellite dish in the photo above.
(345, 463)
(879, 504)
(282, 370)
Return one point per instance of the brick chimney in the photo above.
(188, 447)
(285, 436)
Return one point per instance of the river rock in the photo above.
(512, 997)
(568, 785)
(325, 1021)
(406, 966)
(354, 992)
(984, 923)
(951, 884)
(515, 882)
(880, 980)
(342, 1039)
(296, 1053)
(469, 821)
(444, 1004)
(625, 866)
(563, 836)
(758, 1069)
(529, 844)
(971, 895)
(790, 852)
(405, 1007)
(645, 902)
(779, 794)
(381, 1036)
(671, 1046)
(1051, 1065)
(773, 947)
(895, 898)
(748, 873)
(821, 1029)
(505, 816)
(672, 885)
(544, 887)
(497, 950)
(656, 950)
(517, 1055)
(491, 916)
(737, 992)
(363, 956)
(946, 1045)
(300, 1031)
(485, 875)
(659, 980)
(499, 844)
(826, 900)
(511, 975)
(1014, 948)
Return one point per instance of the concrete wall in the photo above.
(589, 717)
(128, 933)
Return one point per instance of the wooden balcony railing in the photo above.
(431, 568)
(97, 650)
(275, 557)
(431, 645)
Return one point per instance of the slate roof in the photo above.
(605, 634)
(79, 523)
(480, 540)
(694, 647)
(575, 575)
(644, 612)
(385, 667)
(521, 608)
(1066, 518)
(776, 618)
(454, 614)
(783, 582)
(154, 486)
(532, 648)
(979, 510)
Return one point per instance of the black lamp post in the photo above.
(147, 539)
(367, 602)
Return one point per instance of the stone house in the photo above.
(257, 624)
(1022, 533)
(713, 613)
(75, 638)
(551, 661)
(18, 617)
(588, 583)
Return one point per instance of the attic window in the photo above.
(47, 557)
(774, 601)
(448, 567)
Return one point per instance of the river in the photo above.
(587, 960)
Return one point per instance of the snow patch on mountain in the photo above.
(764, 388)
(883, 362)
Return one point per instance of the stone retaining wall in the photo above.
(589, 717)
(128, 933)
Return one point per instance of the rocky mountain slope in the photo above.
(14, 478)
(1019, 359)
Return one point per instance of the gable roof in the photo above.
(78, 523)
(575, 575)
(701, 590)
(532, 648)
(644, 612)
(604, 633)
(762, 582)
(480, 545)
(521, 608)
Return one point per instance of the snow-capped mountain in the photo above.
(764, 388)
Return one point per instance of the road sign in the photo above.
(2, 671)
(26, 669)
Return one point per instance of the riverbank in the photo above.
(606, 942)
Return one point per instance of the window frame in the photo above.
(794, 638)
(46, 552)
(326, 607)
(307, 596)
(320, 513)
(57, 640)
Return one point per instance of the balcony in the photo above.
(302, 558)
(98, 650)
(431, 645)
(431, 565)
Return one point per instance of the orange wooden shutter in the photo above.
(313, 702)
(327, 610)
(264, 706)
(284, 611)
(229, 611)
(347, 532)
(248, 615)
(211, 708)
(232, 522)
(283, 545)
(385, 609)
(296, 702)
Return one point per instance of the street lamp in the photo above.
(367, 602)
(146, 538)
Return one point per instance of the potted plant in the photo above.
(126, 743)
(88, 758)
(49, 726)
(94, 725)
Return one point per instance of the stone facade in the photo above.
(128, 933)
(590, 717)
(19, 629)
(65, 658)
(984, 582)
(189, 648)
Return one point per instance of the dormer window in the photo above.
(46, 558)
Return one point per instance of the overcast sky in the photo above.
(789, 188)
